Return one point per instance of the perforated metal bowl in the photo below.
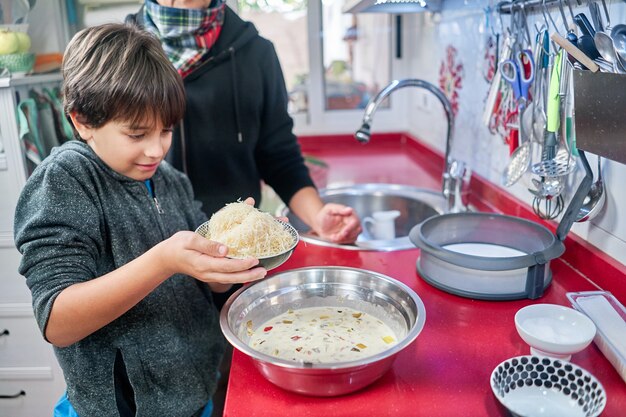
(267, 262)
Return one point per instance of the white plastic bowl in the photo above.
(554, 330)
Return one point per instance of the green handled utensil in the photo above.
(553, 110)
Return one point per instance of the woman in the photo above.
(236, 131)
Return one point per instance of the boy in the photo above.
(119, 283)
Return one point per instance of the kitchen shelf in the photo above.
(30, 80)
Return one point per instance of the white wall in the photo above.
(463, 27)
(47, 26)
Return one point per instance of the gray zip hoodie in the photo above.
(76, 220)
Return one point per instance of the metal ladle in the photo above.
(618, 34)
(594, 201)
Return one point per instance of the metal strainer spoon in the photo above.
(594, 201)
(521, 157)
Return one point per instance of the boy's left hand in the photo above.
(338, 223)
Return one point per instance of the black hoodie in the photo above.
(236, 130)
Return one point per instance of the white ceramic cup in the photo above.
(382, 224)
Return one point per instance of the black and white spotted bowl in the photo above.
(541, 386)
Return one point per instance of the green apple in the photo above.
(8, 42)
(23, 42)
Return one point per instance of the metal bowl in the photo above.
(376, 294)
(267, 262)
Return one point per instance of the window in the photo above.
(356, 56)
(356, 50)
(284, 22)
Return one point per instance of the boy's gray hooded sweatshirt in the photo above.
(76, 220)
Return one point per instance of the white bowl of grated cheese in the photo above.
(553, 330)
(249, 232)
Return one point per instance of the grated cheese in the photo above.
(248, 232)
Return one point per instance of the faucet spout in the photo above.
(364, 133)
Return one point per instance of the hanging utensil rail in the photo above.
(506, 7)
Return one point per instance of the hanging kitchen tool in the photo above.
(596, 17)
(547, 206)
(514, 75)
(595, 200)
(521, 158)
(571, 34)
(586, 42)
(492, 40)
(520, 73)
(554, 170)
(575, 52)
(495, 93)
(540, 86)
(552, 111)
(606, 45)
(548, 201)
(492, 256)
(618, 34)
(568, 133)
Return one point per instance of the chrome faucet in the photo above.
(453, 171)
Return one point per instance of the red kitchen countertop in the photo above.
(446, 371)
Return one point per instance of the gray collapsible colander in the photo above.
(493, 256)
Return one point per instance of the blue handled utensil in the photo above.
(519, 72)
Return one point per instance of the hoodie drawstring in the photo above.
(233, 68)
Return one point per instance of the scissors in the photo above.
(519, 72)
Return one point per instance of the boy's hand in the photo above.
(191, 254)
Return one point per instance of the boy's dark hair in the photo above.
(120, 72)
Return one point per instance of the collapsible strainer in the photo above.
(493, 256)
(486, 255)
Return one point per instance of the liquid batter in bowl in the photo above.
(322, 335)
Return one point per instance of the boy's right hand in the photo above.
(191, 254)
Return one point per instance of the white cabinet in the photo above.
(30, 379)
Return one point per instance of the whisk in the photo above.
(548, 208)
(548, 202)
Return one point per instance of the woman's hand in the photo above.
(191, 254)
(337, 223)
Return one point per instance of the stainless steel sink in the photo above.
(414, 205)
